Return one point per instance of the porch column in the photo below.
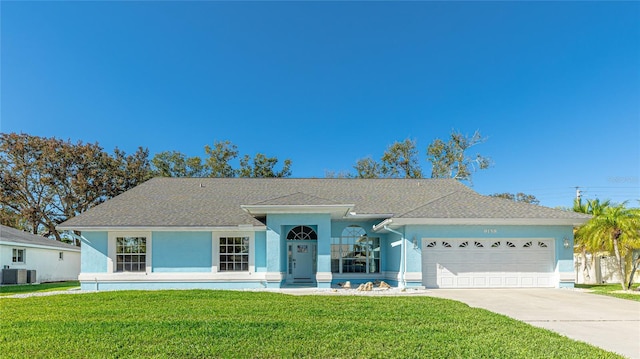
(323, 275)
(274, 273)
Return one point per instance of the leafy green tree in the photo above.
(263, 167)
(367, 168)
(518, 197)
(219, 157)
(400, 160)
(633, 260)
(614, 229)
(10, 218)
(176, 164)
(450, 159)
(24, 187)
(128, 170)
(582, 245)
(46, 181)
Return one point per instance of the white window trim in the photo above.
(215, 248)
(111, 249)
(24, 255)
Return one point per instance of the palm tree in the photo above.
(635, 254)
(616, 229)
(596, 208)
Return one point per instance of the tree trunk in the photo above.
(620, 260)
(585, 267)
(635, 263)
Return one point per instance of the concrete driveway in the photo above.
(609, 323)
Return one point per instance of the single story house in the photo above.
(52, 260)
(273, 232)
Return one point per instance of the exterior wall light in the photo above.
(566, 242)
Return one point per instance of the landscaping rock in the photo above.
(365, 287)
(384, 284)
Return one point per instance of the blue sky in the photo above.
(555, 86)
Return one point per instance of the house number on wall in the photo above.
(490, 230)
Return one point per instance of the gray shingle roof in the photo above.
(474, 205)
(210, 202)
(8, 234)
(297, 198)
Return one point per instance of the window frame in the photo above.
(14, 255)
(215, 246)
(308, 233)
(112, 258)
(234, 254)
(130, 256)
(347, 240)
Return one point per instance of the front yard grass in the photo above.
(235, 324)
(612, 290)
(32, 288)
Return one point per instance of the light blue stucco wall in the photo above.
(277, 224)
(192, 251)
(167, 285)
(94, 252)
(261, 251)
(181, 251)
(394, 254)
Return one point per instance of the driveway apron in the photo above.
(609, 323)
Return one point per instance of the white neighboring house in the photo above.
(602, 269)
(52, 260)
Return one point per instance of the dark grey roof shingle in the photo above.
(210, 202)
(296, 199)
(474, 205)
(9, 234)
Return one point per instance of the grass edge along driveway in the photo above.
(6, 290)
(612, 290)
(202, 323)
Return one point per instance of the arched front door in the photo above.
(301, 251)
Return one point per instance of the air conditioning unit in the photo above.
(14, 276)
(31, 276)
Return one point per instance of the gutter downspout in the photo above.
(403, 257)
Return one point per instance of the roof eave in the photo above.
(230, 228)
(336, 210)
(38, 245)
(398, 222)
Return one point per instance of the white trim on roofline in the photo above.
(397, 222)
(336, 210)
(237, 228)
(41, 246)
(354, 215)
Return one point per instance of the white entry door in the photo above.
(302, 261)
(482, 263)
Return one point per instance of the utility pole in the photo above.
(578, 193)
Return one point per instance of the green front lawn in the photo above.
(610, 290)
(230, 324)
(31, 288)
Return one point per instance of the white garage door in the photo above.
(482, 263)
